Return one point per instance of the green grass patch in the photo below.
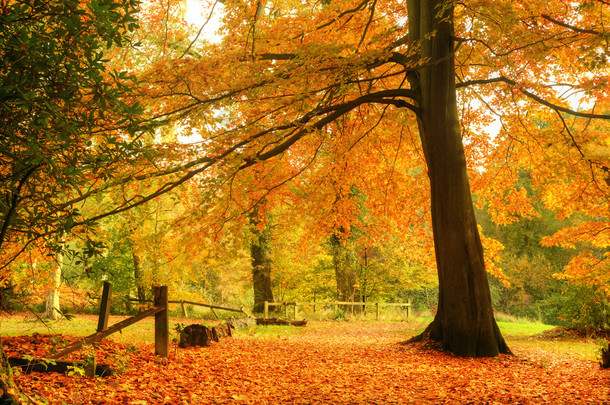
(141, 332)
(79, 326)
(522, 328)
(270, 331)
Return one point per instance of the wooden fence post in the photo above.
(408, 309)
(104, 307)
(376, 311)
(266, 314)
(183, 308)
(295, 310)
(161, 322)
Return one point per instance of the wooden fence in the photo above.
(159, 310)
(200, 304)
(295, 306)
(212, 307)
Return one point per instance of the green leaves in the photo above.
(61, 110)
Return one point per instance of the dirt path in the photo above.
(328, 363)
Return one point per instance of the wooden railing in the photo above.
(352, 304)
(200, 304)
(159, 310)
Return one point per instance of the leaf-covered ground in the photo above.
(329, 363)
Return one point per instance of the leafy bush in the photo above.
(586, 308)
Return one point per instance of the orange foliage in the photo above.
(299, 104)
(354, 363)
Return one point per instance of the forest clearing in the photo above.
(340, 362)
(352, 157)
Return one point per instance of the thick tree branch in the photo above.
(331, 113)
(334, 112)
(571, 27)
(533, 96)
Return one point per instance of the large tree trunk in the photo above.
(261, 263)
(464, 323)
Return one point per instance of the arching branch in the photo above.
(332, 113)
(572, 27)
(534, 97)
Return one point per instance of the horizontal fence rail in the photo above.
(200, 304)
(314, 304)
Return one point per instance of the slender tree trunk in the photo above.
(138, 277)
(261, 263)
(344, 270)
(52, 310)
(464, 323)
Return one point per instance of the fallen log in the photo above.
(59, 366)
(277, 321)
(221, 331)
(200, 335)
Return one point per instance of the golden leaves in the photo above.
(331, 363)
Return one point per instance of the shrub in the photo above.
(586, 308)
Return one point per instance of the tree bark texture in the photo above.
(200, 335)
(605, 354)
(345, 275)
(261, 264)
(464, 323)
(137, 275)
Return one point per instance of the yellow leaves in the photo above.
(592, 265)
(508, 206)
(589, 268)
(492, 258)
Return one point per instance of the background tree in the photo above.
(53, 307)
(260, 251)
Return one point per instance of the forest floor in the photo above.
(321, 363)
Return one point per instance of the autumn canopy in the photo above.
(370, 119)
